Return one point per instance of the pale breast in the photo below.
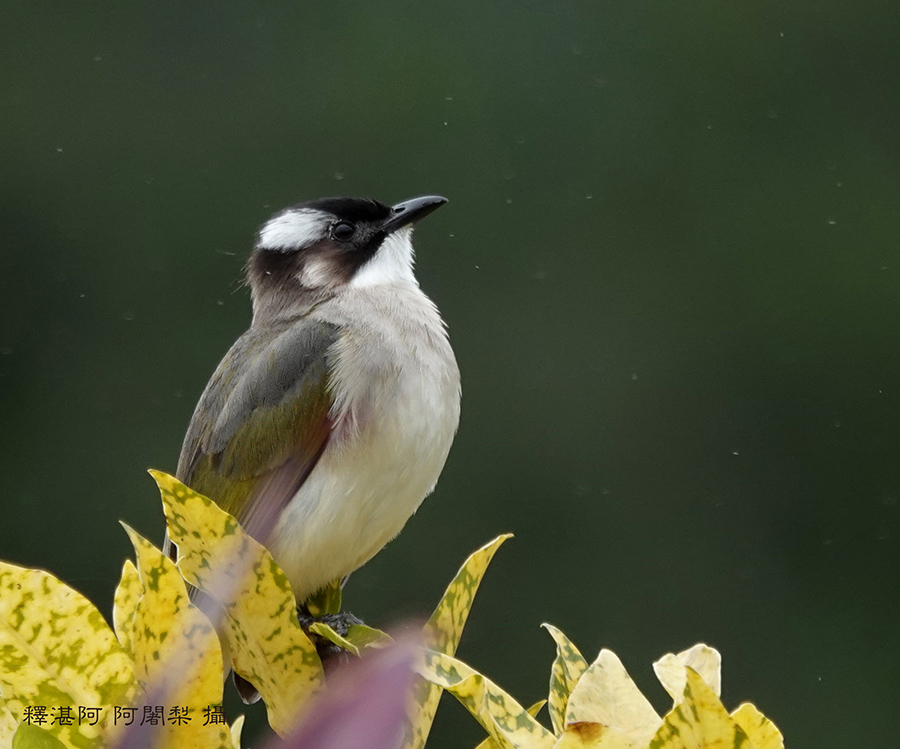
(397, 390)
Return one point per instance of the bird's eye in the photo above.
(342, 231)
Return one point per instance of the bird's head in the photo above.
(325, 244)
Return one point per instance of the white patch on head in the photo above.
(392, 263)
(294, 229)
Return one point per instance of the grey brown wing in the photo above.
(262, 423)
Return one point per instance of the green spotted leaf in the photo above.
(323, 630)
(506, 721)
(606, 694)
(442, 633)
(8, 724)
(700, 722)
(268, 647)
(359, 637)
(56, 650)
(763, 733)
(176, 651)
(671, 670)
(489, 743)
(35, 737)
(125, 603)
(364, 637)
(445, 626)
(567, 669)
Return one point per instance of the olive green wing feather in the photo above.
(263, 422)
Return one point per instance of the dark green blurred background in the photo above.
(669, 266)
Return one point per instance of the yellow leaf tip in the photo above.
(161, 477)
(498, 541)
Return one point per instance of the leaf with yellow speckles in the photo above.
(323, 630)
(124, 604)
(505, 720)
(359, 637)
(445, 626)
(700, 722)
(176, 651)
(595, 736)
(442, 633)
(489, 743)
(364, 637)
(7, 724)
(565, 672)
(606, 694)
(268, 647)
(763, 733)
(57, 650)
(706, 661)
(35, 737)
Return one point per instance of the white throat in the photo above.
(393, 263)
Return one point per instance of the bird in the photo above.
(330, 419)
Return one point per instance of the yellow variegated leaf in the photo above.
(175, 646)
(442, 633)
(236, 729)
(595, 736)
(323, 630)
(8, 724)
(35, 737)
(489, 743)
(763, 733)
(124, 604)
(176, 651)
(606, 694)
(706, 661)
(268, 646)
(368, 637)
(700, 722)
(326, 601)
(444, 628)
(359, 637)
(57, 650)
(567, 669)
(505, 720)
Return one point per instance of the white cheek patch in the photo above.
(391, 264)
(293, 230)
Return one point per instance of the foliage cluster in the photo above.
(58, 654)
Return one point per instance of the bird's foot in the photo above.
(329, 653)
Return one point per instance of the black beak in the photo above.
(408, 211)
